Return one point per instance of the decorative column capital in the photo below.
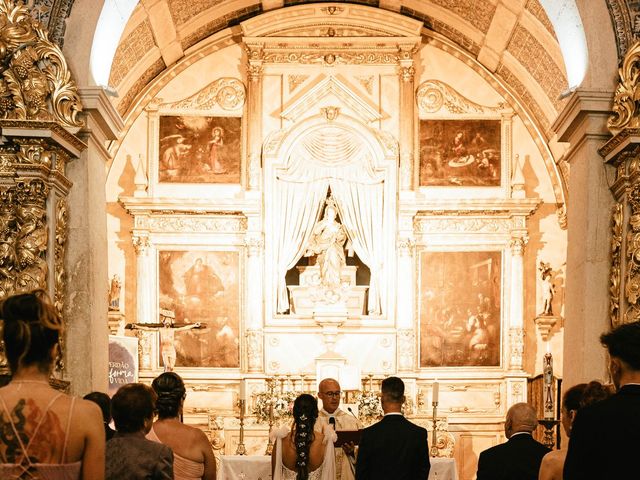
(255, 54)
(517, 245)
(407, 73)
(254, 243)
(141, 243)
(406, 246)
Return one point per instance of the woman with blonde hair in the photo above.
(44, 433)
(193, 457)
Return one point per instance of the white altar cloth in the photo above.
(258, 467)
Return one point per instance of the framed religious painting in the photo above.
(460, 153)
(460, 307)
(199, 149)
(199, 300)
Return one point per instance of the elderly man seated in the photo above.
(520, 457)
(329, 394)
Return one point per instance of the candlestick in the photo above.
(241, 450)
(547, 369)
(271, 385)
(435, 393)
(433, 451)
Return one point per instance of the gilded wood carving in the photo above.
(35, 83)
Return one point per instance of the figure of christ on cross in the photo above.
(167, 330)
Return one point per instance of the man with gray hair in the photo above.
(520, 457)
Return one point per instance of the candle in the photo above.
(243, 390)
(547, 391)
(435, 392)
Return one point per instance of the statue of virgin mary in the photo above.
(327, 242)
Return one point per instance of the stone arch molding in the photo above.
(281, 144)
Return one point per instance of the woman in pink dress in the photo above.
(44, 433)
(192, 454)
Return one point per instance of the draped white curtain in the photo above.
(298, 207)
(335, 157)
(361, 210)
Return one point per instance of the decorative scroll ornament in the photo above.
(628, 92)
(617, 219)
(228, 93)
(23, 237)
(434, 95)
(632, 280)
(35, 82)
(60, 244)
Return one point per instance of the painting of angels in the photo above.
(202, 287)
(460, 308)
(199, 149)
(460, 153)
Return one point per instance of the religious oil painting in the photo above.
(460, 153)
(460, 295)
(199, 149)
(202, 287)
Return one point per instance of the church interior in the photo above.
(259, 194)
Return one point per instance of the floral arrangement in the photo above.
(282, 406)
(369, 408)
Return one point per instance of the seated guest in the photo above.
(605, 436)
(104, 402)
(130, 456)
(577, 397)
(520, 457)
(44, 434)
(393, 448)
(192, 454)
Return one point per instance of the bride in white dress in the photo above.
(304, 451)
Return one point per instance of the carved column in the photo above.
(144, 276)
(254, 114)
(406, 73)
(516, 304)
(406, 333)
(254, 333)
(88, 279)
(582, 123)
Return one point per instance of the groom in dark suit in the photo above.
(520, 457)
(394, 448)
(605, 435)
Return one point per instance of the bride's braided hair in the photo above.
(305, 413)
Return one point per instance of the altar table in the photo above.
(258, 467)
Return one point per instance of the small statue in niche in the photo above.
(548, 290)
(114, 293)
(327, 242)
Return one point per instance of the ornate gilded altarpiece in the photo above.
(39, 118)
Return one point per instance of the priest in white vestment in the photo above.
(329, 393)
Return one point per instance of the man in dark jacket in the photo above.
(605, 436)
(394, 447)
(520, 457)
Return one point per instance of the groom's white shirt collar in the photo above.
(393, 413)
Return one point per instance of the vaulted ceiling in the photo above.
(513, 39)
